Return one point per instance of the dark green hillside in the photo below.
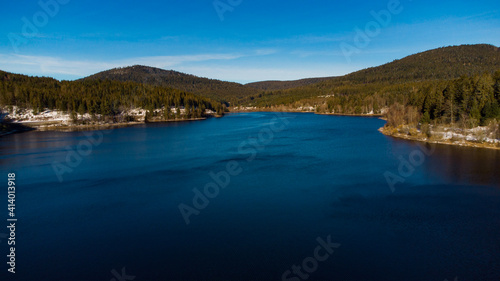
(426, 81)
(446, 63)
(283, 85)
(443, 63)
(107, 97)
(211, 88)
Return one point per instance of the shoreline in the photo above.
(13, 128)
(313, 112)
(269, 110)
(353, 115)
(470, 144)
(60, 126)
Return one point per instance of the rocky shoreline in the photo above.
(353, 115)
(60, 126)
(20, 120)
(12, 128)
(405, 133)
(420, 137)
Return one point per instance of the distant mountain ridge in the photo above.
(442, 63)
(211, 88)
(283, 85)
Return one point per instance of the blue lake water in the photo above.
(296, 180)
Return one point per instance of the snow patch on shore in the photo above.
(19, 115)
(27, 116)
(477, 134)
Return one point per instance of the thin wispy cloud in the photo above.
(323, 53)
(171, 61)
(92, 36)
(483, 16)
(265, 52)
(47, 65)
(308, 39)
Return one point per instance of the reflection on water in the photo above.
(448, 164)
(463, 165)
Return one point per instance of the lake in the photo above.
(251, 196)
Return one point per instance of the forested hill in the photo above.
(211, 88)
(104, 97)
(282, 85)
(442, 63)
(438, 64)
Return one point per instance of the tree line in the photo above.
(98, 97)
(229, 93)
(469, 100)
(473, 99)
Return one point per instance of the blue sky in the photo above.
(249, 41)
